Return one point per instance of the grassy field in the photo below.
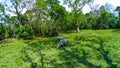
(87, 49)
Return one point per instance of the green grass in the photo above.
(87, 49)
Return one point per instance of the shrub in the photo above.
(2, 32)
(25, 32)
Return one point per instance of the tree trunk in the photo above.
(52, 24)
(78, 29)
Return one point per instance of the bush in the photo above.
(25, 32)
(2, 32)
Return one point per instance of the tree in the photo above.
(54, 11)
(58, 16)
(76, 6)
(17, 7)
(2, 12)
(103, 18)
(118, 9)
(118, 22)
(3, 21)
(2, 25)
(53, 6)
(113, 21)
(38, 18)
(90, 21)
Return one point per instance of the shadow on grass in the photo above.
(36, 48)
(72, 58)
(100, 41)
(29, 59)
(105, 54)
(69, 58)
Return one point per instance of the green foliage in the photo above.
(76, 6)
(23, 19)
(103, 20)
(25, 32)
(2, 8)
(44, 15)
(2, 31)
(118, 9)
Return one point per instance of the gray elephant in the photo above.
(62, 41)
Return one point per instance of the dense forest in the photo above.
(59, 34)
(41, 16)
